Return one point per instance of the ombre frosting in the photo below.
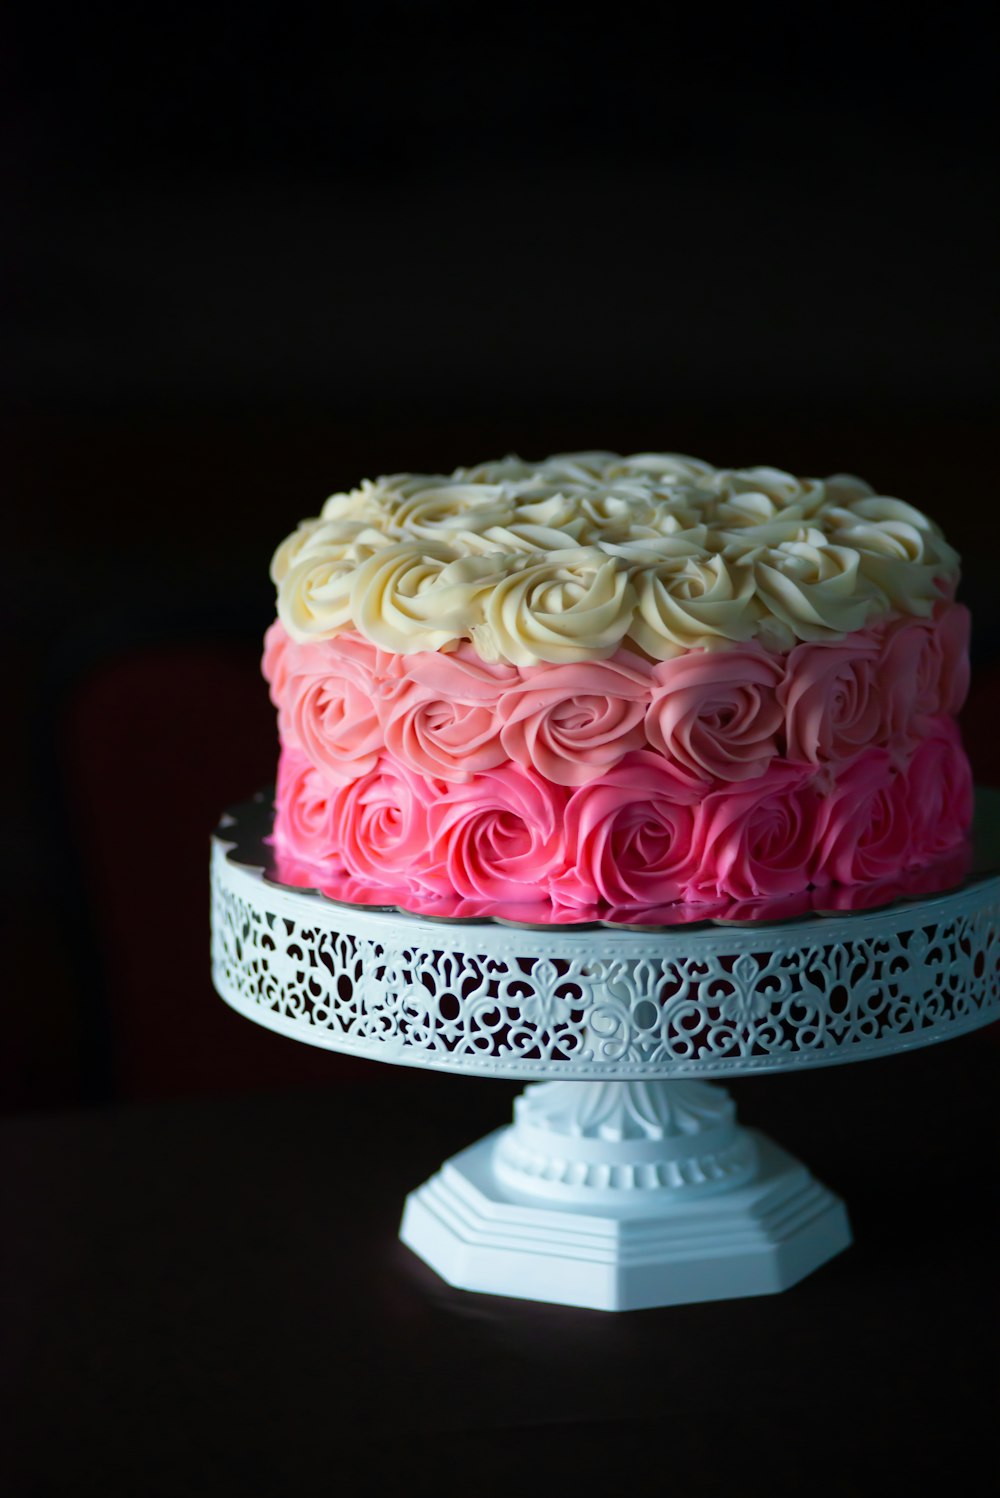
(608, 682)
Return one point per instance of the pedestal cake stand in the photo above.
(625, 1179)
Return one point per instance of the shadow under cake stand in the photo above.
(625, 1179)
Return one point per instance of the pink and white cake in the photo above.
(615, 683)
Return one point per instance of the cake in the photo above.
(603, 684)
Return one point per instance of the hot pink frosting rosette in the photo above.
(570, 722)
(757, 839)
(865, 830)
(440, 716)
(935, 877)
(939, 790)
(946, 871)
(498, 836)
(303, 821)
(716, 713)
(629, 836)
(831, 698)
(379, 824)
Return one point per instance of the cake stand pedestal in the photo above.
(625, 1180)
(618, 1195)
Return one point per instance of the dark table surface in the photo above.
(208, 1296)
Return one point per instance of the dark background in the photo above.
(255, 254)
(252, 255)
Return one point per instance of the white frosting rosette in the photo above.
(314, 597)
(314, 571)
(338, 540)
(658, 468)
(565, 606)
(408, 598)
(371, 501)
(813, 587)
(561, 561)
(690, 602)
(557, 511)
(437, 513)
(900, 551)
(521, 537)
(618, 507)
(754, 490)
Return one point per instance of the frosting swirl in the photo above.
(756, 839)
(570, 606)
(830, 699)
(864, 830)
(441, 717)
(572, 722)
(629, 836)
(418, 597)
(717, 715)
(499, 836)
(689, 602)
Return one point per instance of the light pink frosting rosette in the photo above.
(571, 722)
(498, 836)
(865, 830)
(629, 835)
(716, 713)
(756, 839)
(924, 668)
(285, 659)
(329, 699)
(954, 628)
(274, 663)
(909, 675)
(831, 699)
(440, 716)
(939, 789)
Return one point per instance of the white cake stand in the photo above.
(625, 1179)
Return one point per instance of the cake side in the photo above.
(674, 709)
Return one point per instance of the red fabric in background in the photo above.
(156, 744)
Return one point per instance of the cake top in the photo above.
(574, 557)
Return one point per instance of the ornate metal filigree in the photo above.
(569, 1004)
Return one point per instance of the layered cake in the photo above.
(602, 683)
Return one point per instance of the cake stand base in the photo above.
(624, 1195)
